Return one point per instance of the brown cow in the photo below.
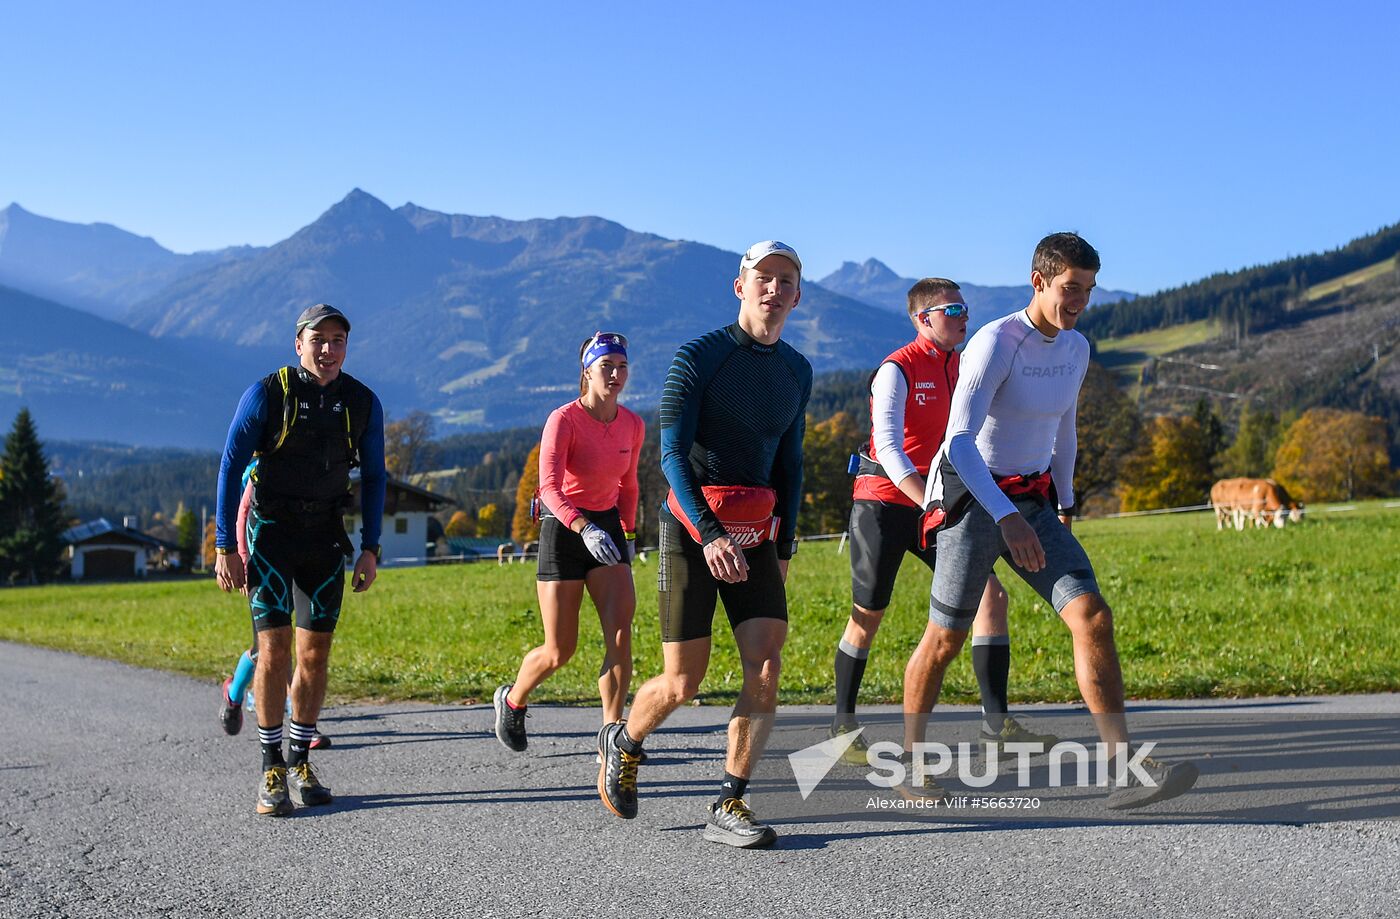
(1261, 502)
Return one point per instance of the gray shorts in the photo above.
(968, 550)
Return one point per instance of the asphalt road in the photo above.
(121, 797)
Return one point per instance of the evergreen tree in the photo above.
(187, 536)
(1212, 434)
(31, 508)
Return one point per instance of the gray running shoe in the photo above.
(308, 788)
(510, 722)
(272, 793)
(1170, 780)
(732, 823)
(857, 754)
(926, 787)
(1013, 731)
(617, 776)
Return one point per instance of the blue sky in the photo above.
(1180, 138)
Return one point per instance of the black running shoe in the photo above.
(230, 713)
(617, 776)
(732, 823)
(1169, 780)
(308, 788)
(510, 722)
(272, 793)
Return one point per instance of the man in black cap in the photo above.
(308, 426)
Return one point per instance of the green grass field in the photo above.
(1314, 608)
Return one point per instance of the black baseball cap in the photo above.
(313, 316)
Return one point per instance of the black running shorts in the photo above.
(287, 556)
(880, 535)
(688, 590)
(563, 554)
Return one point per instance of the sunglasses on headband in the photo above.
(951, 310)
(614, 339)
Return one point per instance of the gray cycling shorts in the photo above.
(968, 550)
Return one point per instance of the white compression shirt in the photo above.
(1014, 409)
(888, 392)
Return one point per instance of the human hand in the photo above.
(1021, 542)
(228, 571)
(726, 561)
(366, 570)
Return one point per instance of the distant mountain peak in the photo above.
(872, 271)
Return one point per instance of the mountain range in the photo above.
(874, 282)
(477, 320)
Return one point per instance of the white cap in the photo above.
(760, 251)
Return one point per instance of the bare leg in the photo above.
(923, 677)
(760, 644)
(559, 605)
(684, 665)
(616, 600)
(309, 680)
(270, 675)
(1096, 666)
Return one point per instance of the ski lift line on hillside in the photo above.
(1177, 360)
(1206, 389)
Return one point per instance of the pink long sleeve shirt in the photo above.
(585, 463)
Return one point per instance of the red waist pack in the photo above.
(1013, 486)
(745, 512)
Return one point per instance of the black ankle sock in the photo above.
(271, 741)
(731, 787)
(850, 670)
(626, 743)
(991, 662)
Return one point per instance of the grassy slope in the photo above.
(1310, 609)
(1126, 355)
(1359, 276)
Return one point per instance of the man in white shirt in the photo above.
(1011, 433)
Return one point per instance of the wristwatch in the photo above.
(377, 551)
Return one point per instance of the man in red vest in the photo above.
(910, 395)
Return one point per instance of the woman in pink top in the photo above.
(588, 486)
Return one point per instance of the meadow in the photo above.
(1314, 608)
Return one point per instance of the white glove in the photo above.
(600, 544)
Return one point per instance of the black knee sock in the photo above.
(991, 661)
(299, 742)
(731, 787)
(850, 670)
(271, 741)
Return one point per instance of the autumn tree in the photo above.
(210, 535)
(1251, 455)
(826, 485)
(1109, 429)
(523, 528)
(460, 524)
(488, 520)
(1334, 455)
(1172, 468)
(407, 444)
